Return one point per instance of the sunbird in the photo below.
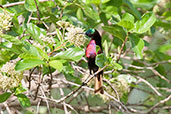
(91, 56)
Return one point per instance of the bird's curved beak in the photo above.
(81, 33)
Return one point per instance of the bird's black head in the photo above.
(94, 34)
(90, 32)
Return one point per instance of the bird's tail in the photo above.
(98, 84)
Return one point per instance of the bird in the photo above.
(91, 57)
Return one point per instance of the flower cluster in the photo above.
(75, 36)
(38, 45)
(9, 78)
(5, 20)
(64, 24)
(47, 39)
(121, 85)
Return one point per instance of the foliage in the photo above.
(43, 38)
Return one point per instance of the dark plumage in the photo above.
(91, 56)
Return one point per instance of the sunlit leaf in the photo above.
(127, 21)
(35, 31)
(24, 100)
(11, 39)
(56, 64)
(144, 25)
(137, 46)
(28, 64)
(74, 54)
(79, 14)
(59, 34)
(30, 5)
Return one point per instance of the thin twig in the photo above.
(120, 103)
(160, 102)
(57, 48)
(51, 78)
(117, 94)
(153, 88)
(19, 3)
(84, 83)
(39, 82)
(29, 78)
(149, 68)
(7, 108)
(123, 44)
(38, 106)
(38, 13)
(111, 42)
(48, 107)
(64, 104)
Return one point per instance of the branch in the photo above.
(160, 102)
(117, 94)
(149, 68)
(19, 3)
(120, 52)
(60, 106)
(64, 104)
(146, 82)
(38, 14)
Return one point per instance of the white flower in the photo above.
(9, 78)
(8, 68)
(120, 84)
(73, 36)
(38, 45)
(5, 20)
(47, 39)
(64, 24)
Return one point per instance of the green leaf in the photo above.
(19, 90)
(97, 48)
(4, 96)
(93, 2)
(59, 35)
(30, 5)
(11, 39)
(116, 66)
(42, 54)
(100, 60)
(28, 64)
(137, 46)
(165, 48)
(36, 32)
(116, 3)
(56, 64)
(74, 54)
(24, 100)
(127, 21)
(131, 9)
(103, 18)
(115, 30)
(165, 25)
(106, 48)
(144, 25)
(33, 52)
(147, 4)
(91, 13)
(79, 14)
